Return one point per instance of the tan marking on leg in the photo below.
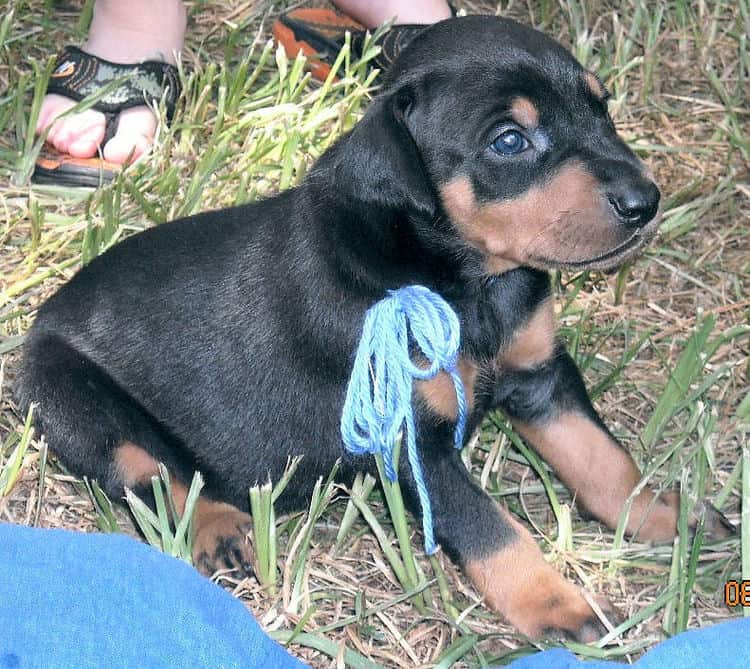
(134, 465)
(602, 475)
(535, 342)
(517, 582)
(594, 85)
(206, 510)
(440, 394)
(525, 113)
(220, 537)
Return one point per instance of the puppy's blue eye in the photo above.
(510, 142)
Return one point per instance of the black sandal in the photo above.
(78, 74)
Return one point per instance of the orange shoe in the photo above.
(319, 35)
(59, 169)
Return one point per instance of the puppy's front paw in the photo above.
(221, 542)
(529, 593)
(553, 608)
(716, 525)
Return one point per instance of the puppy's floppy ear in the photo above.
(380, 165)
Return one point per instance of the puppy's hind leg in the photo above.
(97, 430)
(85, 416)
(221, 530)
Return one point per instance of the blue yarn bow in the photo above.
(378, 406)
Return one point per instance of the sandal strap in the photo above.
(395, 40)
(324, 32)
(78, 74)
(391, 44)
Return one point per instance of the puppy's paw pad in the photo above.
(222, 543)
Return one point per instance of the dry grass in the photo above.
(679, 76)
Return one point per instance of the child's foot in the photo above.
(373, 14)
(319, 33)
(122, 33)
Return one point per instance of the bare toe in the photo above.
(87, 143)
(68, 131)
(52, 106)
(134, 136)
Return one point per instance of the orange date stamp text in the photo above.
(737, 593)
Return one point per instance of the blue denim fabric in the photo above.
(723, 646)
(75, 601)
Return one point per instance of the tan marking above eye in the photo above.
(525, 113)
(594, 85)
(534, 343)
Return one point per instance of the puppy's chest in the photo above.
(479, 379)
(509, 324)
(483, 362)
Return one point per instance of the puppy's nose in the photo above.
(635, 201)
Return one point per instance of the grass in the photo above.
(663, 344)
(167, 529)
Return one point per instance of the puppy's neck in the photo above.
(379, 247)
(391, 246)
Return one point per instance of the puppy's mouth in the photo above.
(605, 261)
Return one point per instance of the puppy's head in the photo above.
(494, 134)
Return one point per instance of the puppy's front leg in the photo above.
(501, 557)
(541, 390)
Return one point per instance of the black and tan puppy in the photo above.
(224, 342)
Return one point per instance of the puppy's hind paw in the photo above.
(222, 543)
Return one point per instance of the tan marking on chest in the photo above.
(440, 394)
(534, 343)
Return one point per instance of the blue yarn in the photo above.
(378, 406)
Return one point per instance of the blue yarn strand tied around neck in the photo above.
(378, 407)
